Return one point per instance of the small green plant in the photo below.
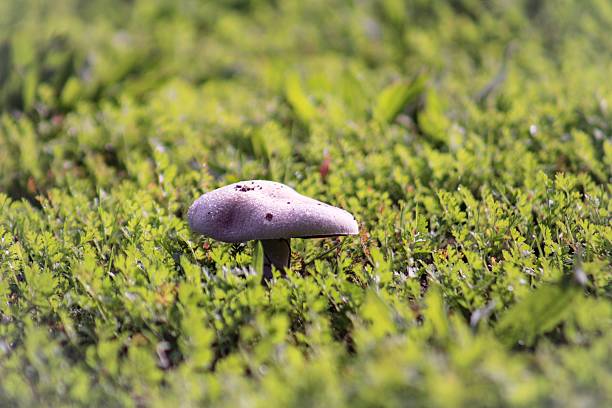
(471, 140)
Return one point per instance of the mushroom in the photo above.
(270, 212)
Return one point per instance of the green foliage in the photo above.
(299, 101)
(482, 274)
(542, 310)
(394, 98)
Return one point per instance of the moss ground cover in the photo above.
(472, 141)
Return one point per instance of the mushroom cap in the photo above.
(261, 209)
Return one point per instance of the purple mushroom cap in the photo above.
(261, 210)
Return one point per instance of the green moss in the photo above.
(470, 139)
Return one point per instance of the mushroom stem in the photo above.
(277, 253)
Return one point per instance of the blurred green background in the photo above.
(471, 140)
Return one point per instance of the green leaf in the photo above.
(538, 313)
(376, 311)
(4, 200)
(382, 266)
(395, 97)
(435, 313)
(30, 83)
(71, 92)
(431, 119)
(258, 258)
(270, 140)
(298, 99)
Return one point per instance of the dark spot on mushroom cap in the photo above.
(288, 202)
(269, 217)
(244, 189)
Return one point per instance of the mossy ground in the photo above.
(472, 141)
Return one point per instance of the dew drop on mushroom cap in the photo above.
(268, 211)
